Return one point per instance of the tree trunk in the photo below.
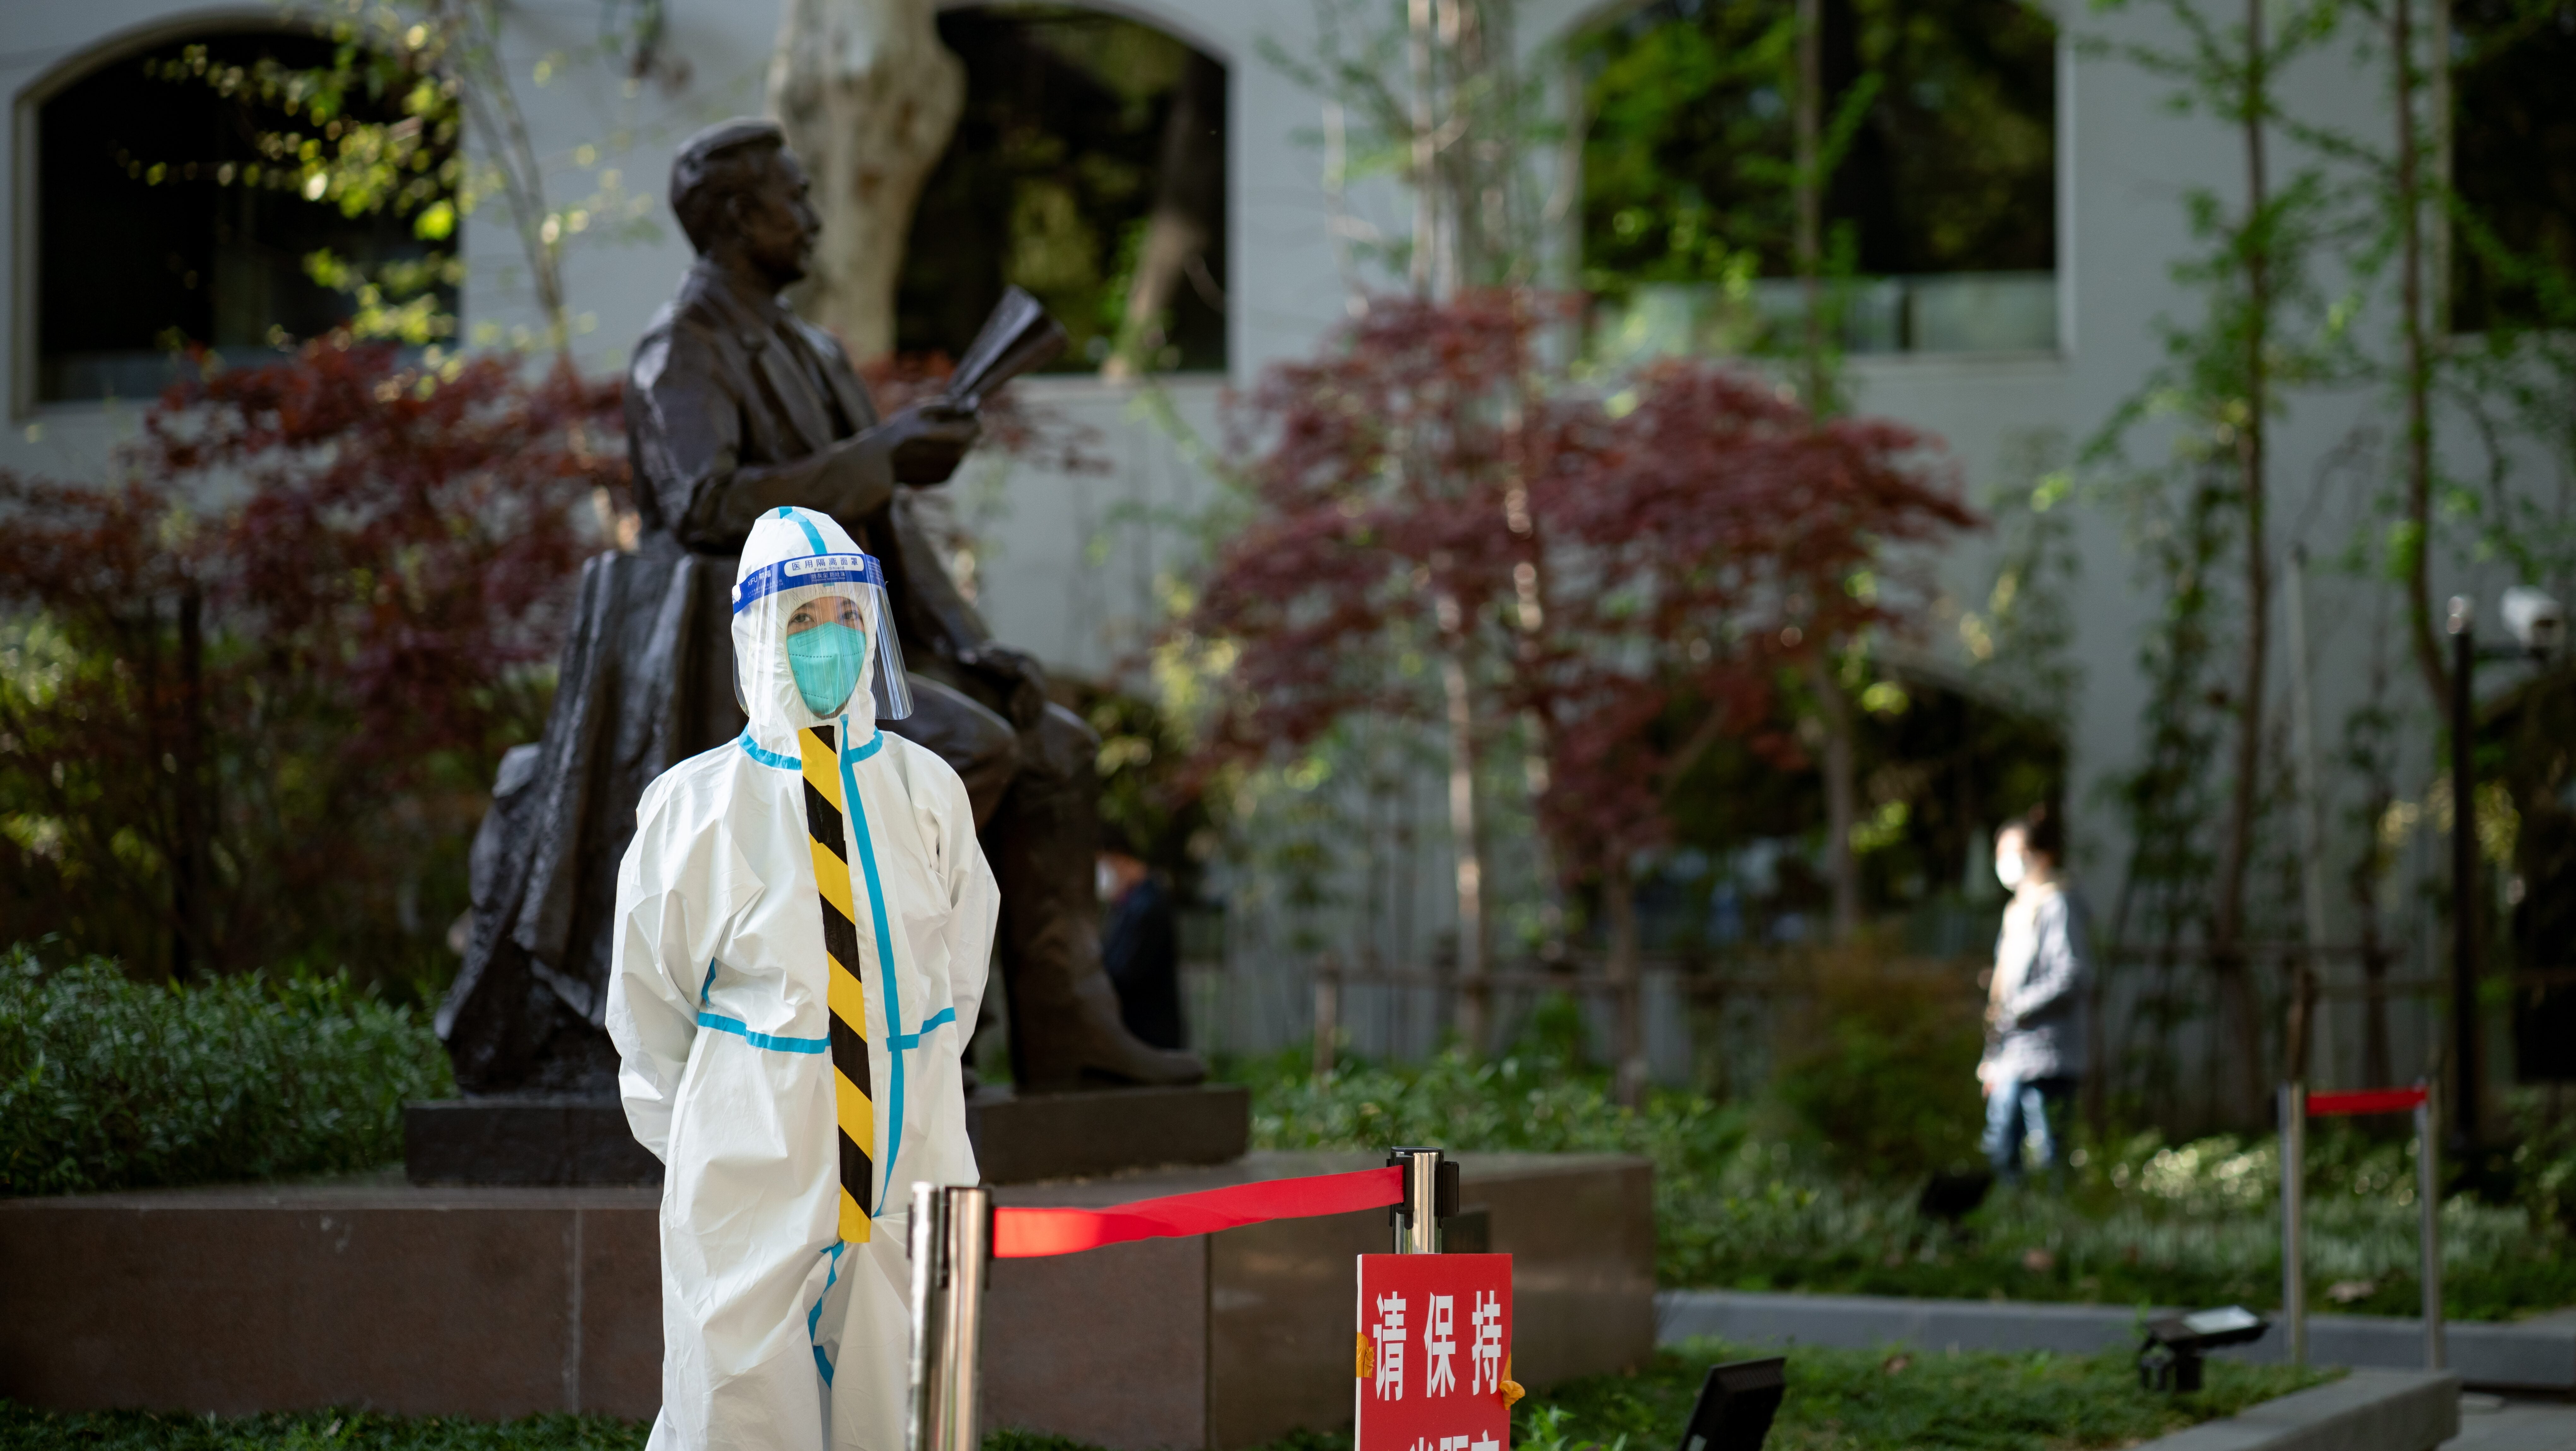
(1619, 906)
(2310, 1036)
(868, 97)
(1466, 843)
(1328, 1015)
(1187, 200)
(2227, 957)
(1842, 797)
(1424, 275)
(1809, 191)
(1479, 145)
(2418, 381)
(473, 41)
(194, 816)
(2378, 1063)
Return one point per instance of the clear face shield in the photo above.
(835, 627)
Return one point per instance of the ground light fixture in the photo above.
(2170, 1360)
(1736, 1404)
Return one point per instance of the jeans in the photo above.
(2032, 1109)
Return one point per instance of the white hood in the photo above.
(781, 545)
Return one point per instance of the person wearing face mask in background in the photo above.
(802, 928)
(2036, 1000)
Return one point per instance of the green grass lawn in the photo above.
(1866, 1400)
(1838, 1400)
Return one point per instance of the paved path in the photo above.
(2490, 1423)
(2537, 1354)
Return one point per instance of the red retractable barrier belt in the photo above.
(2368, 1100)
(1027, 1233)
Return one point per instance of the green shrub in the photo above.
(1538, 1097)
(2544, 1154)
(1880, 1067)
(109, 1083)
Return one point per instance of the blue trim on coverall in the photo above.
(768, 757)
(762, 1040)
(814, 1317)
(813, 535)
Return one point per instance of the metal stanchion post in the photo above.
(2294, 1237)
(2428, 1194)
(1430, 1196)
(951, 1243)
(921, 1241)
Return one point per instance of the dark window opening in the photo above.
(1089, 168)
(163, 220)
(1944, 203)
(2513, 161)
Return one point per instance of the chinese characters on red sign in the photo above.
(1435, 1349)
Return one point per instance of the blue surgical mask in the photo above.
(826, 660)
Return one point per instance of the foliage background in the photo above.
(253, 689)
(1771, 1193)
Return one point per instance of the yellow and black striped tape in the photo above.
(856, 1113)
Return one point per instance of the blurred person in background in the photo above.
(1140, 943)
(2036, 999)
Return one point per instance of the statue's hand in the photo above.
(925, 443)
(1019, 676)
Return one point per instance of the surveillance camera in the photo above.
(2538, 622)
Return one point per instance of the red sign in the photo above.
(1435, 1349)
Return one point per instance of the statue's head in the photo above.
(740, 194)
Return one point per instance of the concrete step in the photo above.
(2368, 1410)
(2526, 1355)
(2493, 1423)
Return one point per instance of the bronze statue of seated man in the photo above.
(734, 407)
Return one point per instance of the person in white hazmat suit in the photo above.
(803, 925)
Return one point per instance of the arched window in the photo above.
(1089, 168)
(1941, 208)
(177, 202)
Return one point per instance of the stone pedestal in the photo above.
(498, 1302)
(1112, 1130)
(536, 1140)
(557, 1141)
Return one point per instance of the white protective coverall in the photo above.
(778, 1334)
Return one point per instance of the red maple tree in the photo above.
(265, 676)
(1715, 537)
(1627, 577)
